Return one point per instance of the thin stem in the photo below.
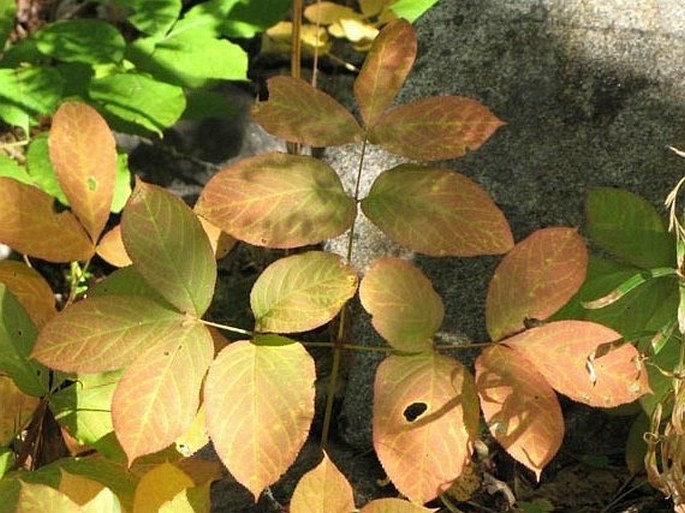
(296, 57)
(357, 185)
(76, 275)
(315, 65)
(450, 347)
(14, 144)
(224, 327)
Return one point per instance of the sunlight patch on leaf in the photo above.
(30, 289)
(437, 212)
(258, 424)
(301, 292)
(423, 454)
(161, 484)
(405, 309)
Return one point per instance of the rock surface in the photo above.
(592, 93)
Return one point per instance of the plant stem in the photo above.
(295, 58)
(224, 327)
(338, 345)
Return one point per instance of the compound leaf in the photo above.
(394, 506)
(425, 417)
(385, 69)
(298, 112)
(17, 337)
(437, 212)
(435, 128)
(579, 360)
(301, 292)
(257, 423)
(88, 41)
(629, 227)
(29, 225)
(83, 153)
(30, 289)
(278, 201)
(106, 333)
(519, 406)
(406, 311)
(158, 396)
(169, 248)
(323, 489)
(535, 279)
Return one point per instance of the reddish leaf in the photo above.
(278, 201)
(296, 111)
(435, 128)
(29, 225)
(158, 396)
(385, 69)
(519, 406)
(30, 289)
(323, 490)
(437, 212)
(111, 248)
(425, 416)
(405, 309)
(394, 506)
(83, 153)
(106, 333)
(301, 292)
(537, 278)
(169, 248)
(259, 400)
(562, 352)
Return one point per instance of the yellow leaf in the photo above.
(78, 488)
(159, 485)
(358, 31)
(328, 12)
(195, 438)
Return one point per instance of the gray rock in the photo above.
(592, 93)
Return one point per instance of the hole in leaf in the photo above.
(58, 207)
(414, 411)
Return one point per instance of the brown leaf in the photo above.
(30, 289)
(385, 70)
(435, 128)
(83, 153)
(28, 224)
(111, 248)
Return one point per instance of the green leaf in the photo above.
(206, 16)
(26, 93)
(106, 333)
(10, 169)
(405, 309)
(40, 168)
(87, 41)
(629, 285)
(77, 77)
(122, 184)
(278, 201)
(435, 128)
(667, 360)
(84, 410)
(437, 212)
(535, 279)
(22, 53)
(139, 99)
(411, 9)
(249, 17)
(17, 337)
(169, 248)
(158, 396)
(641, 312)
(83, 153)
(6, 462)
(257, 423)
(301, 292)
(629, 227)
(8, 10)
(385, 69)
(189, 58)
(297, 112)
(153, 16)
(127, 281)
